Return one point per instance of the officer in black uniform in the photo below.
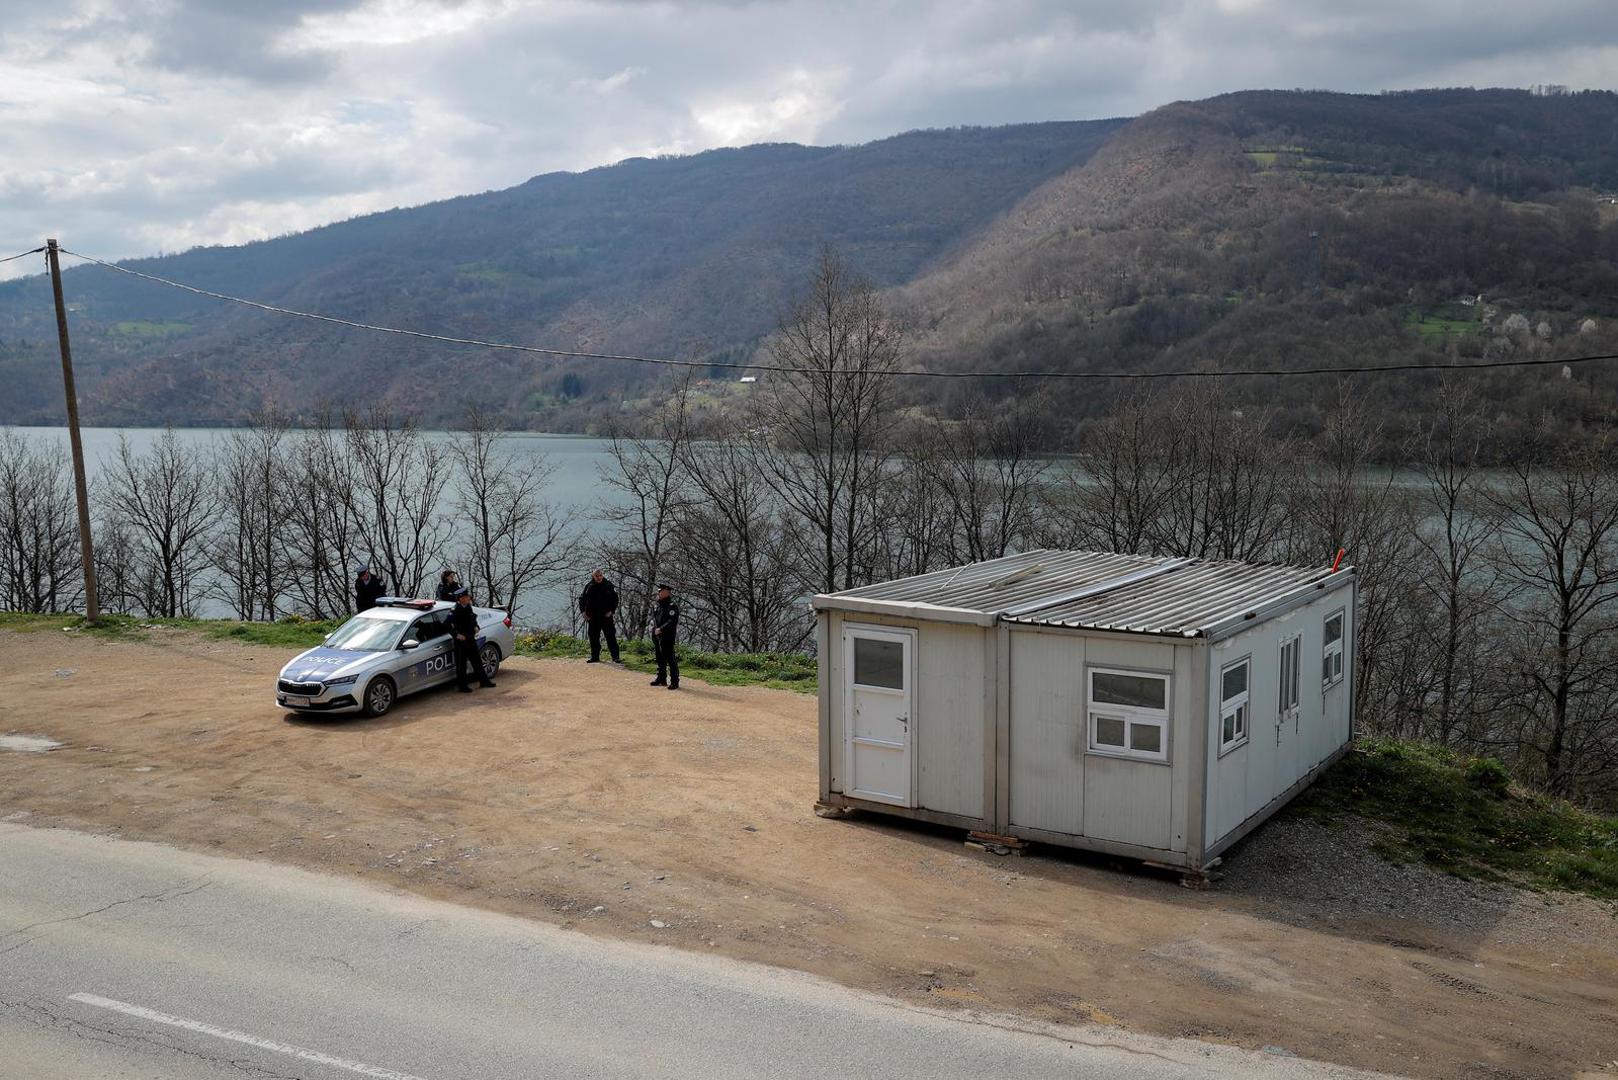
(463, 623)
(448, 585)
(597, 604)
(665, 623)
(368, 588)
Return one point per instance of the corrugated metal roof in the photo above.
(1095, 591)
(999, 584)
(1188, 601)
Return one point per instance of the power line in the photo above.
(1191, 373)
(23, 254)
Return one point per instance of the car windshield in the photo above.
(365, 633)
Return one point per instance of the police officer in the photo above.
(448, 585)
(597, 603)
(463, 623)
(665, 624)
(368, 589)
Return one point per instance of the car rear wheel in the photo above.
(380, 695)
(491, 659)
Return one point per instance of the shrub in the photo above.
(1488, 776)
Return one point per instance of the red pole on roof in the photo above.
(1335, 563)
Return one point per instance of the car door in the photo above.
(434, 660)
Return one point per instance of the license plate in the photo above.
(293, 699)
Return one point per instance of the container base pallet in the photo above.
(996, 844)
(1198, 880)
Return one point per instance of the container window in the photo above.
(1129, 714)
(1234, 703)
(1146, 738)
(1288, 700)
(1331, 657)
(1110, 731)
(1137, 691)
(879, 663)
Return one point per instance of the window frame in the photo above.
(1131, 715)
(889, 638)
(1337, 649)
(1289, 710)
(1242, 702)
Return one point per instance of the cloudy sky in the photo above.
(132, 127)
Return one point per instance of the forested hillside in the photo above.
(1260, 229)
(1285, 230)
(676, 256)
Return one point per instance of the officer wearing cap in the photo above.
(665, 623)
(463, 623)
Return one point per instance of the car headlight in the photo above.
(346, 680)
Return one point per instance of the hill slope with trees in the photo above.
(1263, 229)
(681, 256)
(1285, 230)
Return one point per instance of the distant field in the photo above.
(141, 328)
(493, 276)
(1437, 326)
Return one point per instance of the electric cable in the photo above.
(1183, 373)
(23, 254)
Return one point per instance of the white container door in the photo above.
(876, 732)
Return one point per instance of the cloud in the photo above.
(133, 126)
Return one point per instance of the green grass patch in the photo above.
(491, 275)
(1461, 815)
(781, 671)
(1439, 326)
(143, 328)
(293, 632)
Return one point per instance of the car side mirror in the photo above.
(409, 643)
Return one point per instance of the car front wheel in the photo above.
(491, 659)
(380, 695)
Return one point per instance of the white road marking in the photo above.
(240, 1036)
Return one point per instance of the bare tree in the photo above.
(119, 586)
(1117, 488)
(322, 520)
(164, 500)
(514, 540)
(1454, 527)
(39, 540)
(821, 425)
(1185, 474)
(1228, 480)
(648, 474)
(396, 497)
(250, 557)
(1558, 551)
(916, 534)
(1340, 501)
(736, 550)
(992, 460)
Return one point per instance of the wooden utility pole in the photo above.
(92, 610)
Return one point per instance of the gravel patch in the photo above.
(1307, 872)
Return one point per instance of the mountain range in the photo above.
(1263, 229)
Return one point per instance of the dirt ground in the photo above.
(580, 796)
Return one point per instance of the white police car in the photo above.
(377, 657)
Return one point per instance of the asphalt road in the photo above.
(122, 959)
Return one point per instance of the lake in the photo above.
(574, 489)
